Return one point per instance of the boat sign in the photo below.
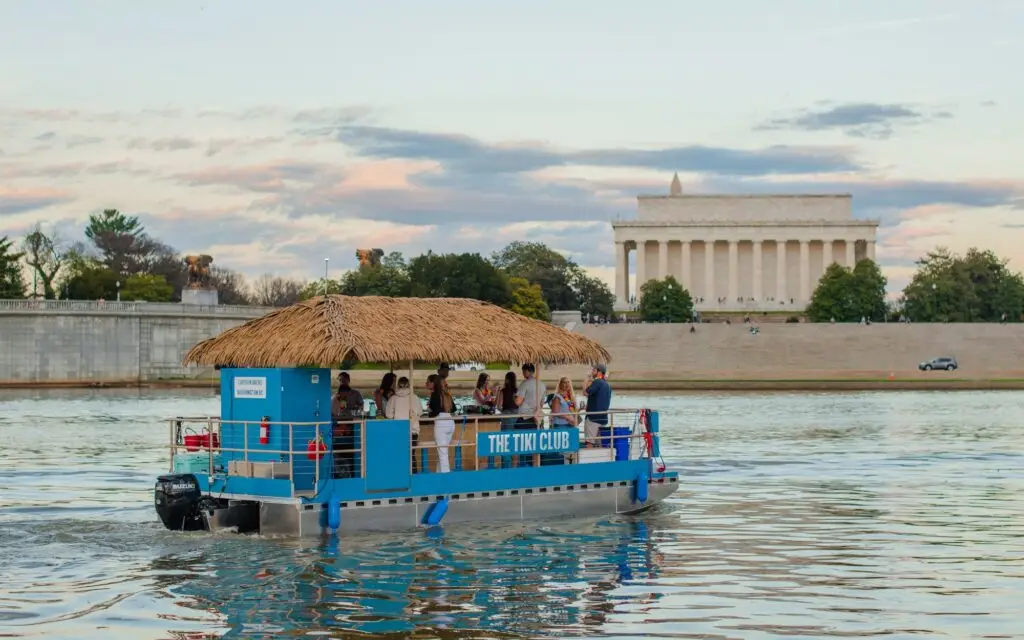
(251, 388)
(527, 442)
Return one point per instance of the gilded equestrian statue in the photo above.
(198, 271)
(369, 257)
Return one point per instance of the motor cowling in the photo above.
(177, 499)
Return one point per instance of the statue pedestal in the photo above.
(206, 297)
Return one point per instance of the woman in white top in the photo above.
(405, 405)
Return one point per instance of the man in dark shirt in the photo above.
(599, 400)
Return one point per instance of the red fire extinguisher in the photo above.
(265, 430)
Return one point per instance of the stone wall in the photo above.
(791, 351)
(71, 342)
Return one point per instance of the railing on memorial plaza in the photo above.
(106, 306)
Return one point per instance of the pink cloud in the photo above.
(386, 175)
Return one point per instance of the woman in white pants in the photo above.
(440, 408)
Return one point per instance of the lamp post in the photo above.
(117, 285)
(327, 262)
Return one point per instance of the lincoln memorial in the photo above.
(739, 252)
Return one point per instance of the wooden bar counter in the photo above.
(465, 432)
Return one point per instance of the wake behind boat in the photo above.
(275, 462)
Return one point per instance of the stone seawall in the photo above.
(809, 351)
(68, 342)
(80, 343)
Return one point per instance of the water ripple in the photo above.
(898, 515)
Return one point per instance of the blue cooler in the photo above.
(621, 441)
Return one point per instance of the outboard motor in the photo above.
(177, 499)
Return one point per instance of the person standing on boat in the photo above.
(563, 405)
(404, 405)
(483, 395)
(599, 401)
(346, 410)
(528, 398)
(507, 401)
(441, 406)
(384, 393)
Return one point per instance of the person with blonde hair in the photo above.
(564, 402)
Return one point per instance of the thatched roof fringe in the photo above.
(326, 330)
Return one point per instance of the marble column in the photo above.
(780, 271)
(641, 267)
(734, 271)
(663, 259)
(851, 247)
(826, 254)
(870, 250)
(758, 273)
(709, 273)
(621, 273)
(684, 276)
(805, 271)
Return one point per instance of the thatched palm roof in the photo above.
(326, 330)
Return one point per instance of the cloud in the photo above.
(82, 141)
(859, 120)
(217, 145)
(14, 201)
(466, 154)
(163, 144)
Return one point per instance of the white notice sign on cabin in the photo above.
(251, 388)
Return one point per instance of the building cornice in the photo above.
(647, 224)
(744, 196)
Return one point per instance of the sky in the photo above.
(273, 135)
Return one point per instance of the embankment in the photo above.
(115, 343)
(127, 344)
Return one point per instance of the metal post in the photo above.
(170, 463)
(245, 442)
(209, 435)
(291, 457)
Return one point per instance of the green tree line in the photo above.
(119, 257)
(975, 287)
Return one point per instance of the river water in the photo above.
(800, 515)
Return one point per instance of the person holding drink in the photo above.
(599, 401)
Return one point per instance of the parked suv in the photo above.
(945, 362)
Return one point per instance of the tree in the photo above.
(317, 288)
(12, 284)
(528, 300)
(43, 254)
(86, 278)
(543, 266)
(273, 291)
(665, 301)
(147, 288)
(593, 296)
(230, 286)
(869, 290)
(977, 287)
(112, 221)
(458, 275)
(389, 278)
(834, 297)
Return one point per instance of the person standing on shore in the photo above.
(599, 401)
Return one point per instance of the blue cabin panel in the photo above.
(388, 447)
(247, 397)
(306, 398)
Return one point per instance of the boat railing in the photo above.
(309, 452)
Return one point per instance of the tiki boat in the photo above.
(275, 462)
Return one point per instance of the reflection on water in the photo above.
(883, 514)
